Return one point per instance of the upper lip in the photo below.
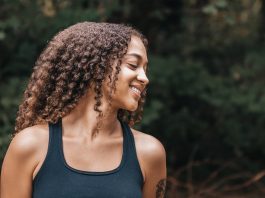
(140, 87)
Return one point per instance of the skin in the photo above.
(27, 151)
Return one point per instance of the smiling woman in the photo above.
(73, 135)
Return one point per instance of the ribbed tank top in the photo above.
(56, 179)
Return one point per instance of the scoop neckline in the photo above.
(121, 164)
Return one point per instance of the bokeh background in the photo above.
(206, 100)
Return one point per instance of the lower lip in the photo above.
(135, 93)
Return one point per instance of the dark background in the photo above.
(206, 100)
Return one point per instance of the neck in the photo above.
(83, 120)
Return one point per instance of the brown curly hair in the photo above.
(75, 58)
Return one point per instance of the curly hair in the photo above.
(75, 58)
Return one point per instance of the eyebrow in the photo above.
(137, 56)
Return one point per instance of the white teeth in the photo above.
(136, 90)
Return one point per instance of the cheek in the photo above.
(122, 79)
(125, 78)
(121, 88)
(126, 74)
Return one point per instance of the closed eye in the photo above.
(133, 66)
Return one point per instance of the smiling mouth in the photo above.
(135, 90)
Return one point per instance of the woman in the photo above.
(72, 136)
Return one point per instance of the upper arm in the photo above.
(18, 166)
(155, 169)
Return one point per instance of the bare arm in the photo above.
(155, 171)
(18, 166)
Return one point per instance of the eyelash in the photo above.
(134, 66)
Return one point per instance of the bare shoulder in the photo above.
(29, 139)
(29, 143)
(148, 145)
(151, 154)
(22, 157)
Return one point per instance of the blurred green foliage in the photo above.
(206, 70)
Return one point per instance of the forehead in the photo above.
(137, 48)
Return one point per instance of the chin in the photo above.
(131, 107)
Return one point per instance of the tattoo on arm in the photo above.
(161, 188)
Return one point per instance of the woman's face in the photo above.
(132, 78)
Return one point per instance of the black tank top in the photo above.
(56, 179)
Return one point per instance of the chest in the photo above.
(93, 157)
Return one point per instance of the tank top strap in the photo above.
(54, 140)
(129, 138)
(132, 164)
(53, 152)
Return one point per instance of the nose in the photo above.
(142, 77)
